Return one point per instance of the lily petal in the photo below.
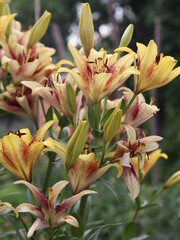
(37, 225)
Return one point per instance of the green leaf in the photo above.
(106, 116)
(49, 114)
(77, 231)
(16, 228)
(92, 234)
(123, 105)
(97, 133)
(109, 186)
(63, 121)
(129, 230)
(140, 237)
(91, 116)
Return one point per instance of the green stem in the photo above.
(50, 233)
(104, 107)
(156, 196)
(82, 206)
(52, 157)
(130, 103)
(96, 114)
(103, 152)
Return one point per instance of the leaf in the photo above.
(94, 233)
(140, 237)
(129, 230)
(63, 121)
(106, 116)
(49, 114)
(109, 186)
(16, 228)
(91, 116)
(97, 133)
(123, 105)
(77, 231)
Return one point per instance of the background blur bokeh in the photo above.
(155, 19)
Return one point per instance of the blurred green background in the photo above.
(155, 19)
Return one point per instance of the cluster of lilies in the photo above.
(99, 133)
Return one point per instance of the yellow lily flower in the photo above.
(100, 74)
(48, 213)
(154, 71)
(85, 169)
(20, 101)
(19, 151)
(26, 63)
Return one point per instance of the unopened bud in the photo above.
(112, 125)
(39, 29)
(70, 98)
(127, 36)
(6, 11)
(76, 144)
(4, 22)
(173, 180)
(86, 29)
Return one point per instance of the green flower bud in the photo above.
(70, 98)
(127, 36)
(6, 11)
(86, 29)
(173, 180)
(39, 29)
(76, 144)
(112, 125)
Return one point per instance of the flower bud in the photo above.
(112, 125)
(173, 180)
(70, 98)
(6, 11)
(86, 29)
(76, 144)
(127, 36)
(39, 29)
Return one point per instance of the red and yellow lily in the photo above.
(19, 151)
(155, 71)
(20, 101)
(101, 73)
(48, 213)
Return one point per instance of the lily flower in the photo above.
(101, 73)
(139, 111)
(53, 92)
(48, 214)
(20, 101)
(26, 63)
(85, 170)
(19, 151)
(154, 71)
(133, 148)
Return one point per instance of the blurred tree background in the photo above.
(111, 17)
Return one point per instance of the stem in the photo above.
(156, 196)
(49, 170)
(82, 206)
(103, 153)
(96, 115)
(50, 233)
(104, 107)
(130, 103)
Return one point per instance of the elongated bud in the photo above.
(70, 98)
(112, 125)
(39, 29)
(6, 11)
(86, 29)
(76, 144)
(126, 38)
(4, 22)
(173, 180)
